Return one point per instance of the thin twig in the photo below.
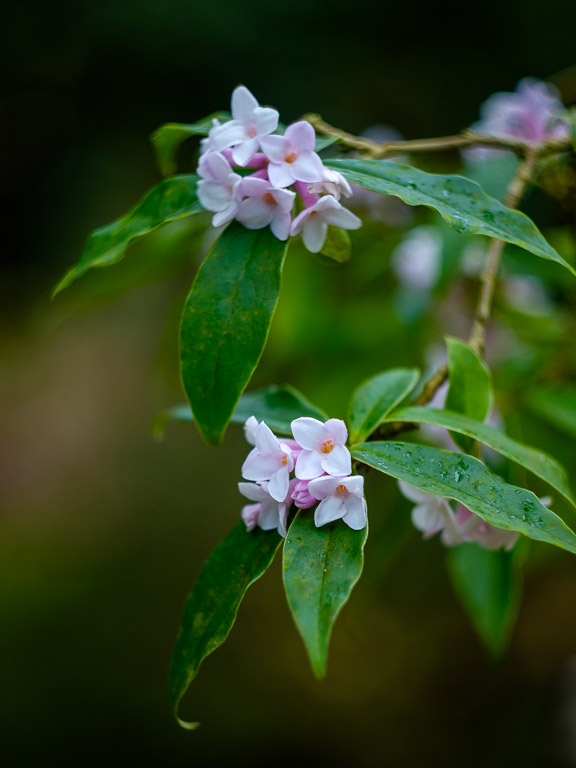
(465, 139)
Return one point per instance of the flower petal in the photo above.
(354, 484)
(308, 167)
(314, 233)
(244, 151)
(301, 136)
(243, 104)
(254, 492)
(228, 135)
(254, 187)
(280, 175)
(278, 485)
(260, 466)
(327, 511)
(355, 515)
(254, 213)
(250, 428)
(321, 487)
(225, 216)
(308, 465)
(280, 225)
(266, 120)
(266, 440)
(413, 494)
(213, 195)
(250, 514)
(338, 461)
(336, 429)
(274, 147)
(308, 432)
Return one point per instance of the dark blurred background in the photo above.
(104, 530)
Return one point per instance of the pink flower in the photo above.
(301, 495)
(218, 189)
(267, 513)
(266, 205)
(432, 515)
(533, 112)
(473, 528)
(333, 183)
(340, 498)
(270, 461)
(313, 222)
(292, 156)
(249, 124)
(323, 447)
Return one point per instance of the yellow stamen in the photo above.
(328, 446)
(291, 157)
(341, 489)
(284, 459)
(269, 198)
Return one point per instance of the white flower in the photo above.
(268, 513)
(323, 446)
(432, 514)
(218, 189)
(292, 156)
(265, 205)
(341, 498)
(333, 183)
(313, 222)
(249, 124)
(270, 460)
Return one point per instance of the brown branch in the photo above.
(465, 139)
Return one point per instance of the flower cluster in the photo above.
(277, 162)
(322, 467)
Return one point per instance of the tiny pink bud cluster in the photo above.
(263, 198)
(322, 467)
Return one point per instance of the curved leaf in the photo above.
(488, 585)
(538, 462)
(170, 200)
(373, 400)
(467, 480)
(167, 139)
(460, 202)
(277, 406)
(226, 322)
(213, 603)
(321, 567)
(470, 391)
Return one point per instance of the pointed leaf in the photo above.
(170, 200)
(541, 464)
(321, 567)
(277, 406)
(488, 585)
(470, 391)
(167, 139)
(376, 397)
(226, 322)
(461, 202)
(467, 480)
(213, 603)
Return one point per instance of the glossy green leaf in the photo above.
(467, 480)
(337, 245)
(277, 406)
(323, 142)
(226, 322)
(488, 584)
(167, 139)
(470, 391)
(212, 605)
(170, 200)
(556, 406)
(540, 463)
(321, 567)
(373, 400)
(461, 202)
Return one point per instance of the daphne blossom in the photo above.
(322, 465)
(313, 222)
(340, 498)
(284, 167)
(323, 448)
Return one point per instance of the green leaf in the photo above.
(226, 322)
(337, 245)
(557, 407)
(470, 391)
(167, 139)
(170, 200)
(321, 567)
(488, 585)
(212, 605)
(323, 142)
(373, 400)
(461, 202)
(467, 480)
(277, 406)
(572, 118)
(541, 464)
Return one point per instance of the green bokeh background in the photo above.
(104, 530)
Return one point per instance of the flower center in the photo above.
(341, 489)
(252, 131)
(327, 446)
(291, 157)
(268, 197)
(284, 459)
